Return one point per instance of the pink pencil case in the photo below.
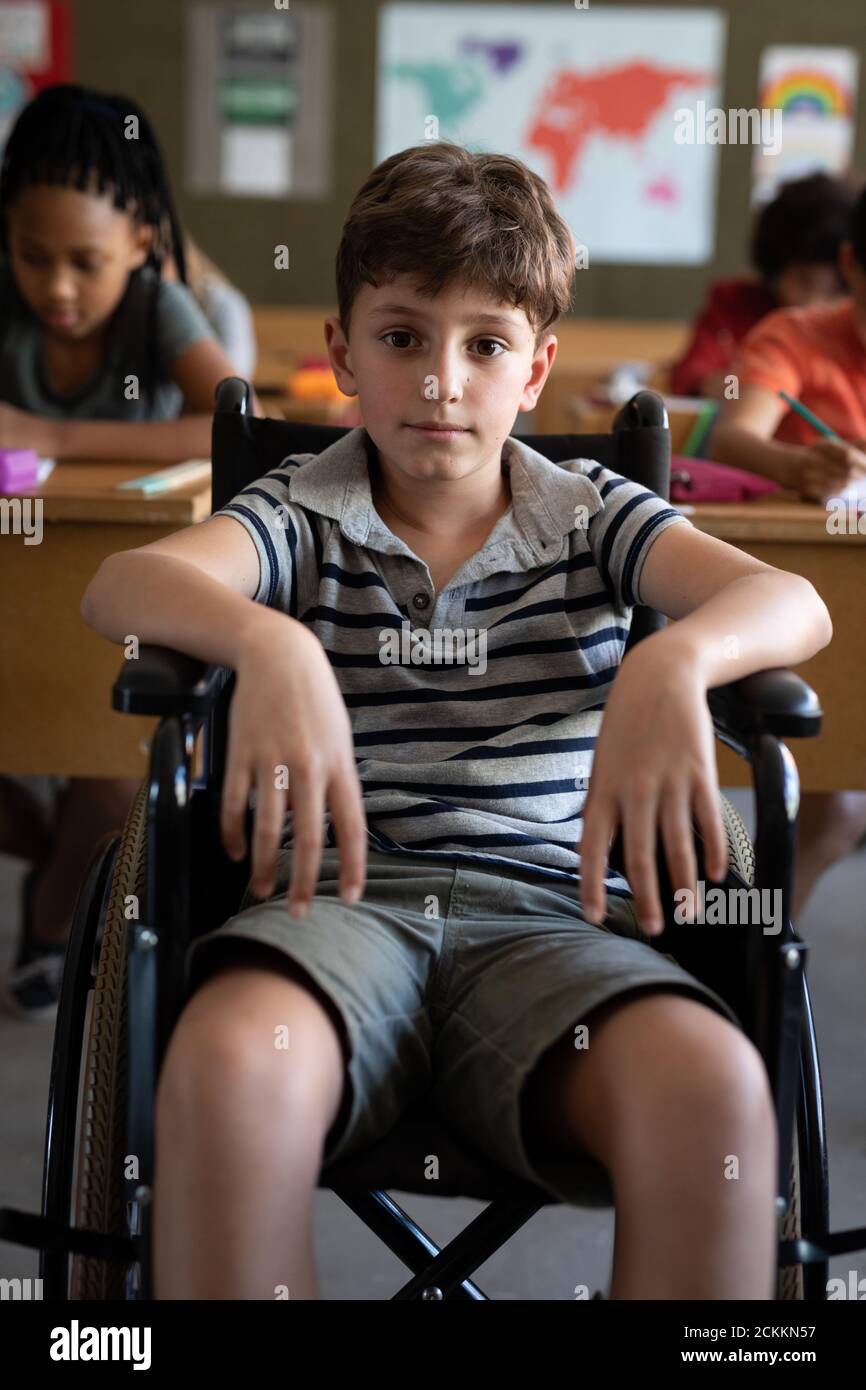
(19, 469)
(699, 480)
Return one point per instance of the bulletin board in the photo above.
(260, 100)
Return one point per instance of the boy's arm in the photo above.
(734, 614)
(192, 591)
(655, 764)
(197, 372)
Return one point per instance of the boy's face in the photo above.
(71, 253)
(459, 359)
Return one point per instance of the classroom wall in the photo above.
(141, 49)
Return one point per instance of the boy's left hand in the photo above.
(654, 768)
(19, 429)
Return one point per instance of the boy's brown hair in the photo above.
(443, 214)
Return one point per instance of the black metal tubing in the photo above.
(812, 1139)
(396, 1229)
(479, 1240)
(156, 952)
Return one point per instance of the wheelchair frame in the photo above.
(751, 716)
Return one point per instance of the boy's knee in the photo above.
(695, 1062)
(247, 1037)
(721, 1085)
(213, 1047)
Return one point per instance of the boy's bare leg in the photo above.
(666, 1095)
(830, 826)
(240, 1129)
(87, 809)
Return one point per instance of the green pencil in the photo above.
(808, 416)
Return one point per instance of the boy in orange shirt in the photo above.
(818, 356)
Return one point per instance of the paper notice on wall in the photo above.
(814, 91)
(255, 159)
(24, 34)
(259, 95)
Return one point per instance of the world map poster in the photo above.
(587, 97)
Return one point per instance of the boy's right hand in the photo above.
(287, 712)
(822, 470)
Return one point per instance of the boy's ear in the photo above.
(338, 351)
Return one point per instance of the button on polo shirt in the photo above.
(475, 733)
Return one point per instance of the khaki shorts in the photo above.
(450, 982)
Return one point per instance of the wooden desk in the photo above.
(55, 695)
(792, 535)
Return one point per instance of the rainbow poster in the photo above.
(815, 90)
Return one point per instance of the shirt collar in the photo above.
(545, 496)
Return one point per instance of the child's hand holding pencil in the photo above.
(825, 469)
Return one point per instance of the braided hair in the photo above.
(72, 135)
(76, 137)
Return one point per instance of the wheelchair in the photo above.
(124, 983)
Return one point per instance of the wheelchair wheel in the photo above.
(99, 1191)
(741, 854)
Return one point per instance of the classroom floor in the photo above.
(560, 1247)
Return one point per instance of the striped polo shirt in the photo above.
(474, 711)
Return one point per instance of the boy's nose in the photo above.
(443, 380)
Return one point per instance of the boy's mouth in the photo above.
(438, 431)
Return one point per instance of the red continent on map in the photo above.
(620, 101)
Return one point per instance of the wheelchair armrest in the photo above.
(767, 702)
(164, 681)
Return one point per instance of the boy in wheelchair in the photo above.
(436, 942)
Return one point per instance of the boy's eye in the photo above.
(495, 344)
(404, 333)
(396, 333)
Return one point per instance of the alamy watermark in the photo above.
(730, 907)
(846, 516)
(22, 1290)
(441, 646)
(77, 1343)
(712, 125)
(22, 516)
